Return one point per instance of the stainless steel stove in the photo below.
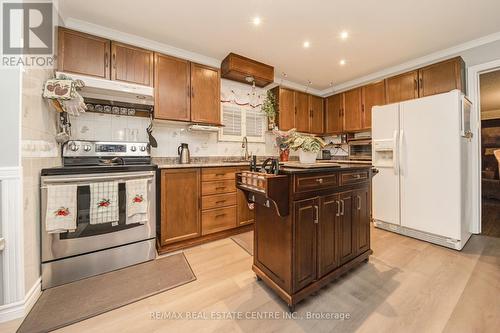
(93, 249)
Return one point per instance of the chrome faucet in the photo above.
(244, 144)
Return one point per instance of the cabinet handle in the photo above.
(421, 84)
(192, 92)
(342, 207)
(114, 60)
(220, 174)
(106, 56)
(220, 215)
(338, 208)
(415, 84)
(319, 180)
(362, 108)
(316, 214)
(220, 188)
(221, 201)
(359, 202)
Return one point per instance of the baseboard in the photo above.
(21, 308)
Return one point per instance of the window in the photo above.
(240, 121)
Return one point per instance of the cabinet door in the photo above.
(81, 53)
(333, 114)
(205, 94)
(286, 107)
(373, 94)
(180, 211)
(352, 110)
(441, 77)
(317, 115)
(245, 214)
(347, 232)
(305, 220)
(172, 88)
(401, 87)
(329, 217)
(131, 64)
(361, 219)
(302, 111)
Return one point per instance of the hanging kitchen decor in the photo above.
(269, 108)
(62, 91)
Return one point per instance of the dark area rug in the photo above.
(73, 302)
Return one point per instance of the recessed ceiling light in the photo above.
(256, 20)
(306, 44)
(342, 62)
(344, 34)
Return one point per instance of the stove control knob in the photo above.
(133, 148)
(87, 148)
(73, 146)
(143, 148)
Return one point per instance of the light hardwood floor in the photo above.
(407, 286)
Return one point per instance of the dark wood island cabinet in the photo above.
(311, 225)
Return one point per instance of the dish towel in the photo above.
(137, 201)
(61, 208)
(104, 202)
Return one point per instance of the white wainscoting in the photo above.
(15, 302)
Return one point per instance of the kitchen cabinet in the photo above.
(306, 218)
(302, 113)
(402, 87)
(131, 64)
(205, 94)
(200, 205)
(172, 88)
(352, 110)
(372, 94)
(328, 258)
(347, 228)
(317, 114)
(82, 53)
(442, 77)
(334, 121)
(361, 219)
(285, 99)
(180, 197)
(239, 68)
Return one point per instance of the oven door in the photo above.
(94, 237)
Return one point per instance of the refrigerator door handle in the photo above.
(400, 151)
(395, 155)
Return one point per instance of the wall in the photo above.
(9, 126)
(39, 150)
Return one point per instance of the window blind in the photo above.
(231, 118)
(254, 123)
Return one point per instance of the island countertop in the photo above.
(334, 168)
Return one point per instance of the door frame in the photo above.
(473, 74)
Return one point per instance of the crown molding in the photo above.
(412, 64)
(119, 36)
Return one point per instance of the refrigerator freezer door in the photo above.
(430, 157)
(385, 186)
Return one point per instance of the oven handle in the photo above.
(149, 176)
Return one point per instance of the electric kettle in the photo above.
(183, 152)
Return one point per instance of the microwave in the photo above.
(360, 149)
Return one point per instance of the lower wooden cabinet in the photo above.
(180, 213)
(328, 241)
(199, 205)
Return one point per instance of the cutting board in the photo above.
(298, 165)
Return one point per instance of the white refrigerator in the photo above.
(421, 149)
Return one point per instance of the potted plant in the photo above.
(307, 145)
(269, 108)
(282, 138)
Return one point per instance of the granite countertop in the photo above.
(333, 168)
(203, 164)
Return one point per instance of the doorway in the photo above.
(489, 93)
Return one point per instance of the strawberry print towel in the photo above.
(137, 201)
(60, 215)
(104, 202)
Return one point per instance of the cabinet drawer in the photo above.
(218, 200)
(215, 220)
(209, 174)
(354, 177)
(316, 182)
(218, 187)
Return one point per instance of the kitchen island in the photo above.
(311, 225)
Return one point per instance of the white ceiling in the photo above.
(490, 91)
(383, 33)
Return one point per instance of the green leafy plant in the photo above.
(307, 143)
(269, 105)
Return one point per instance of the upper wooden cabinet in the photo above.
(239, 68)
(372, 95)
(285, 99)
(131, 64)
(82, 53)
(352, 110)
(401, 87)
(442, 77)
(172, 88)
(186, 91)
(205, 94)
(302, 112)
(317, 115)
(334, 105)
